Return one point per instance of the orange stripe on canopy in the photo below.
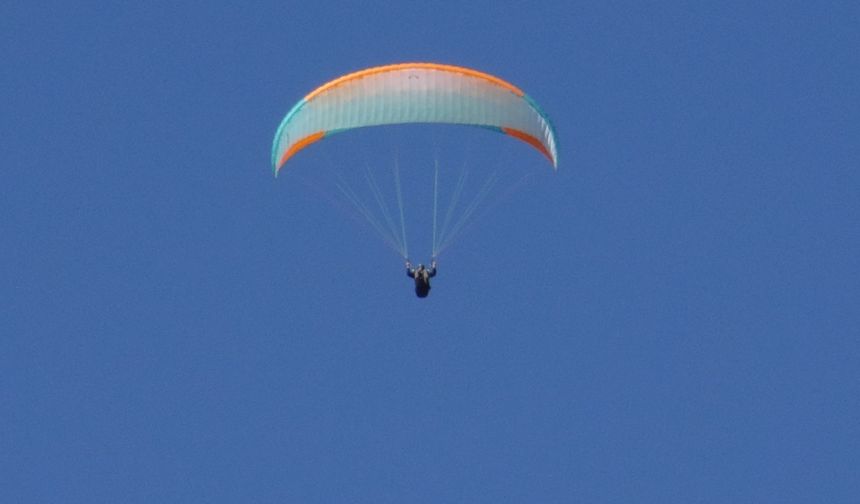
(422, 66)
(301, 144)
(534, 142)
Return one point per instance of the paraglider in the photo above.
(412, 93)
(422, 277)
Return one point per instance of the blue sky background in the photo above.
(671, 317)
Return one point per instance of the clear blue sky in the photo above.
(672, 317)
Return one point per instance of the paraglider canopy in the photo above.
(413, 93)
